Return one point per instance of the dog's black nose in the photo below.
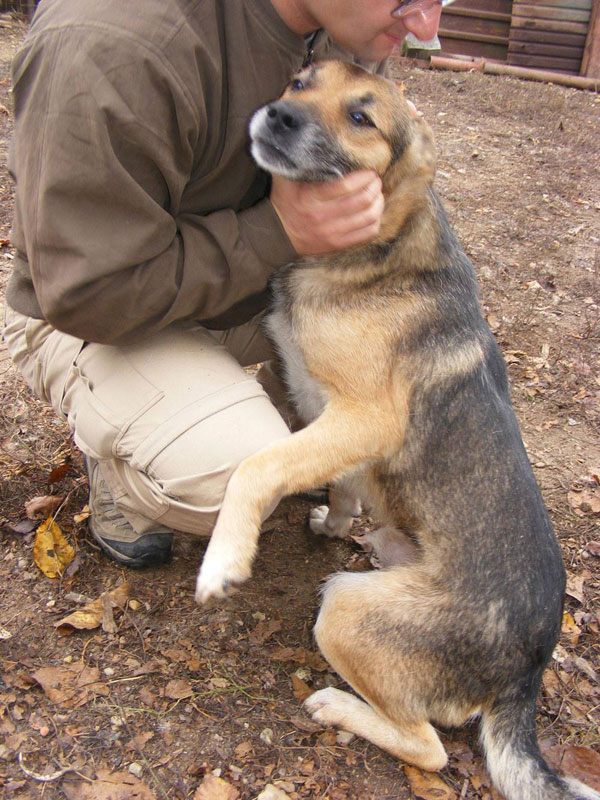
(284, 117)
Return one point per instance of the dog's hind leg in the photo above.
(364, 630)
(417, 744)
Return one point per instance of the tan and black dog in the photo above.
(391, 364)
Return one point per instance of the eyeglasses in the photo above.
(406, 4)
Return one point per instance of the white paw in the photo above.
(323, 522)
(317, 518)
(330, 707)
(219, 577)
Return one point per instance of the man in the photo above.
(145, 235)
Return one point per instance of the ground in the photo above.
(167, 697)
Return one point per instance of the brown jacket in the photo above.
(137, 203)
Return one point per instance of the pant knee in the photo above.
(183, 485)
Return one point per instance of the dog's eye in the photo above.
(359, 118)
(296, 85)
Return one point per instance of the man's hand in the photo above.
(323, 217)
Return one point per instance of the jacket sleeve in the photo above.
(106, 138)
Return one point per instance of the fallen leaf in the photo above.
(82, 516)
(72, 685)
(570, 631)
(51, 551)
(24, 526)
(585, 500)
(138, 742)
(582, 763)
(213, 788)
(575, 587)
(178, 689)
(593, 548)
(108, 786)
(94, 614)
(427, 785)
(300, 656)
(264, 630)
(42, 506)
(271, 792)
(301, 689)
(59, 473)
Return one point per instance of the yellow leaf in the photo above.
(92, 615)
(51, 551)
(570, 630)
(427, 785)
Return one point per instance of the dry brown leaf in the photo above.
(138, 742)
(213, 788)
(178, 689)
(42, 506)
(593, 548)
(94, 614)
(585, 501)
(60, 472)
(301, 689)
(51, 551)
(581, 763)
(71, 685)
(427, 785)
(575, 587)
(264, 630)
(108, 786)
(300, 655)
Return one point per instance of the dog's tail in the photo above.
(514, 761)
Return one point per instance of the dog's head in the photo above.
(334, 118)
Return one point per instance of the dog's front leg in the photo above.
(337, 440)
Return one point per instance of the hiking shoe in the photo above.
(115, 535)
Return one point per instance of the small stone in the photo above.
(136, 769)
(109, 672)
(50, 603)
(271, 792)
(266, 736)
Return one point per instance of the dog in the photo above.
(406, 402)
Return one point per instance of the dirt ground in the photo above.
(167, 697)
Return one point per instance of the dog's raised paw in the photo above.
(217, 581)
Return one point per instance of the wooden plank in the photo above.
(540, 49)
(473, 37)
(469, 27)
(546, 62)
(547, 37)
(549, 25)
(590, 63)
(475, 6)
(465, 47)
(585, 5)
(452, 11)
(556, 14)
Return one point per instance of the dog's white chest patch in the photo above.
(308, 395)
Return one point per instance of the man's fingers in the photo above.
(351, 184)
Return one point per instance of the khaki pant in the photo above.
(168, 418)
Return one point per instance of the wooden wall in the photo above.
(478, 28)
(550, 34)
(541, 34)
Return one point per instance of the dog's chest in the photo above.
(308, 394)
